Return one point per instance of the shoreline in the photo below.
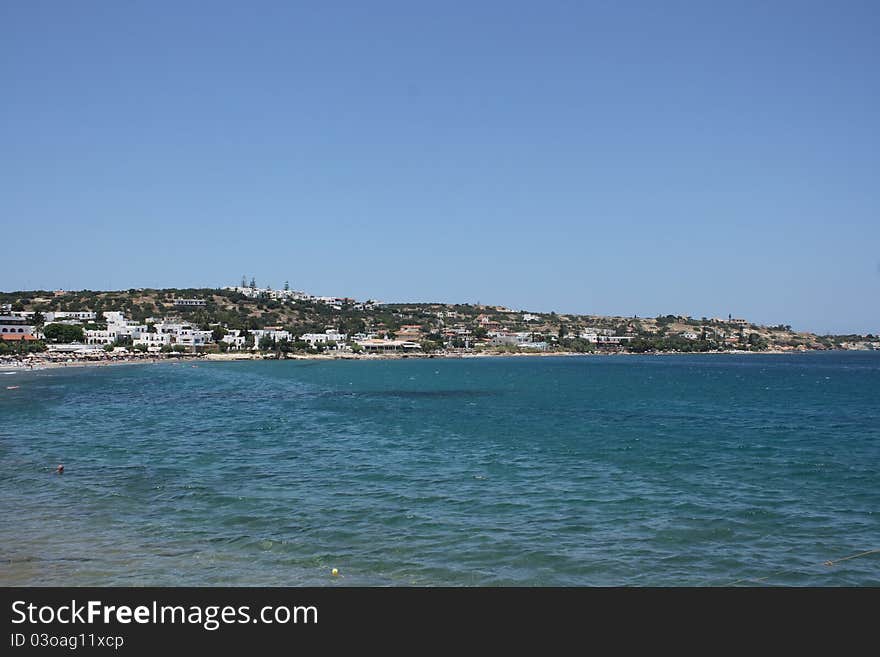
(38, 364)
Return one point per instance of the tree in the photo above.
(64, 333)
(21, 347)
(756, 342)
(286, 286)
(217, 333)
(38, 318)
(266, 343)
(430, 345)
(351, 325)
(253, 283)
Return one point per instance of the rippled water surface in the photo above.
(673, 470)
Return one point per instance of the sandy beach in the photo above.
(37, 363)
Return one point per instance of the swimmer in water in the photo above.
(60, 469)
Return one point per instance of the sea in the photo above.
(621, 470)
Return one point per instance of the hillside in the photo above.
(435, 325)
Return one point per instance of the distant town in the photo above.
(247, 321)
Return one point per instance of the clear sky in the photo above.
(632, 158)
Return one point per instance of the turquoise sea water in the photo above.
(618, 470)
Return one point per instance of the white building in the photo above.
(191, 337)
(689, 335)
(58, 315)
(10, 324)
(614, 339)
(189, 303)
(234, 339)
(596, 331)
(101, 337)
(382, 346)
(330, 335)
(128, 328)
(170, 327)
(182, 334)
(74, 348)
(523, 339)
(274, 334)
(293, 295)
(249, 292)
(153, 341)
(116, 323)
(332, 301)
(266, 293)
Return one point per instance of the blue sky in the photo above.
(615, 157)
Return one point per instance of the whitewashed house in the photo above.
(128, 328)
(59, 315)
(234, 339)
(153, 341)
(107, 336)
(192, 337)
(330, 335)
(522, 339)
(275, 334)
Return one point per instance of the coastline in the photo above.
(35, 364)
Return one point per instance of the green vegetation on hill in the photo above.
(435, 326)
